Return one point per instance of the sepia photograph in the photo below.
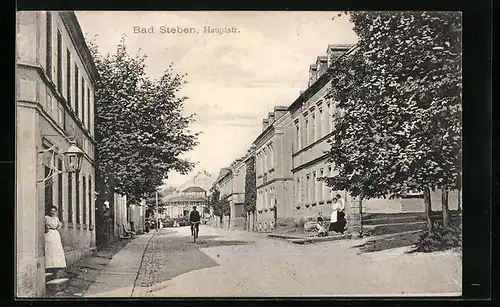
(173, 154)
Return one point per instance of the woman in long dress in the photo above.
(54, 252)
(337, 218)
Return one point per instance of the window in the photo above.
(84, 198)
(320, 119)
(77, 193)
(70, 197)
(91, 197)
(68, 76)
(49, 45)
(297, 137)
(48, 189)
(88, 108)
(328, 120)
(49, 104)
(82, 114)
(308, 184)
(313, 187)
(313, 137)
(59, 61)
(76, 90)
(306, 128)
(297, 189)
(323, 185)
(60, 116)
(60, 208)
(330, 175)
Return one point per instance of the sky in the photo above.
(234, 79)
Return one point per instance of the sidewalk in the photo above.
(118, 277)
(85, 271)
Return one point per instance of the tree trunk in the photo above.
(459, 198)
(360, 215)
(444, 203)
(428, 208)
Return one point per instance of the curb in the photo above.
(320, 239)
(305, 240)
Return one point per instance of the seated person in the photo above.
(321, 229)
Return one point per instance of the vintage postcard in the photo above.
(238, 154)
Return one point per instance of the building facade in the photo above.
(194, 192)
(237, 196)
(273, 148)
(312, 116)
(55, 77)
(180, 205)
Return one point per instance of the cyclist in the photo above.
(194, 219)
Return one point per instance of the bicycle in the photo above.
(196, 229)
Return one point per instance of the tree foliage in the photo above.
(398, 97)
(141, 132)
(250, 185)
(214, 202)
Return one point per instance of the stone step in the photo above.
(383, 229)
(49, 276)
(393, 220)
(56, 285)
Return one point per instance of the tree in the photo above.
(250, 185)
(250, 188)
(215, 204)
(398, 96)
(140, 130)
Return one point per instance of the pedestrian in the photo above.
(54, 252)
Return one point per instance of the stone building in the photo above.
(55, 78)
(237, 196)
(273, 149)
(313, 116)
(312, 119)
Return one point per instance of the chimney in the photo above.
(334, 51)
(312, 74)
(270, 115)
(279, 111)
(321, 65)
(265, 124)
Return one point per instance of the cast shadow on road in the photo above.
(380, 244)
(179, 255)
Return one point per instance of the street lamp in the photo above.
(73, 158)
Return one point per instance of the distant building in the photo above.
(192, 193)
(55, 79)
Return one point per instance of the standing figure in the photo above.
(337, 220)
(54, 252)
(341, 214)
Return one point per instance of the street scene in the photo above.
(225, 260)
(238, 154)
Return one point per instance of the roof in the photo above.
(185, 198)
(223, 173)
(193, 189)
(322, 81)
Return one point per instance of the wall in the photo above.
(43, 118)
